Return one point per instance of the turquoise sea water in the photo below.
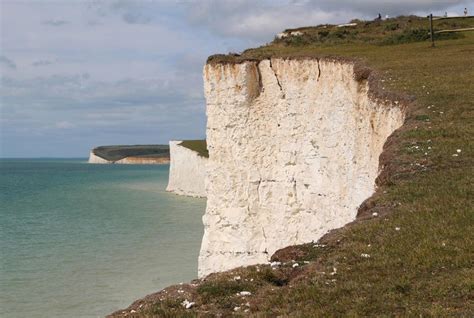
(81, 240)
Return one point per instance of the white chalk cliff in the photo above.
(132, 160)
(93, 158)
(294, 150)
(187, 171)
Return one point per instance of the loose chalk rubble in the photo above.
(187, 304)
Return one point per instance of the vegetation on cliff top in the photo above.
(199, 146)
(411, 250)
(369, 34)
(114, 153)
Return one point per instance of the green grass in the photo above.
(390, 31)
(199, 146)
(421, 244)
(114, 153)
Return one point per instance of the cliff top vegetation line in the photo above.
(394, 31)
(199, 146)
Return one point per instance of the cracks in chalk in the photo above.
(257, 92)
(276, 77)
(248, 115)
(259, 78)
(295, 191)
(319, 69)
(264, 240)
(258, 190)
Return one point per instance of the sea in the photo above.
(84, 240)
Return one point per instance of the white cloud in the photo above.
(64, 125)
(42, 63)
(55, 23)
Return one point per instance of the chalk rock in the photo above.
(294, 150)
(187, 171)
(93, 158)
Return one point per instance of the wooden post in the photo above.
(431, 30)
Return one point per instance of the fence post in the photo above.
(431, 30)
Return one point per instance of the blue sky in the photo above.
(79, 74)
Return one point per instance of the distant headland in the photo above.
(131, 154)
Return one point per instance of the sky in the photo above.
(79, 74)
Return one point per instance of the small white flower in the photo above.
(455, 155)
(244, 293)
(397, 229)
(375, 214)
(458, 150)
(295, 265)
(236, 308)
(237, 278)
(365, 255)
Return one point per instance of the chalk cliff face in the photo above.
(187, 171)
(143, 160)
(294, 150)
(93, 158)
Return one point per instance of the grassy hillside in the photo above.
(385, 32)
(114, 153)
(411, 250)
(199, 146)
